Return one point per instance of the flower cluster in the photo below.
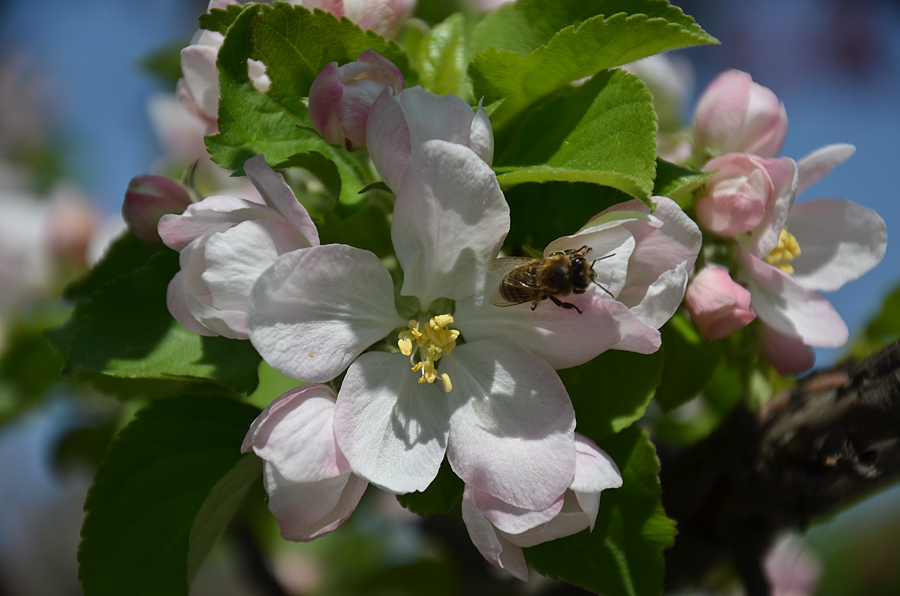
(777, 254)
(440, 371)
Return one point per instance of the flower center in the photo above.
(433, 341)
(787, 250)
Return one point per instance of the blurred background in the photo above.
(86, 103)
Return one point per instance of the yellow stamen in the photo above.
(786, 251)
(433, 341)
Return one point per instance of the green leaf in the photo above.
(123, 256)
(596, 44)
(124, 330)
(220, 19)
(524, 26)
(612, 391)
(541, 213)
(444, 492)
(689, 363)
(441, 57)
(624, 552)
(677, 182)
(600, 132)
(165, 492)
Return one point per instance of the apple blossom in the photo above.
(400, 123)
(225, 243)
(341, 96)
(382, 16)
(734, 114)
(717, 304)
(795, 251)
(310, 486)
(147, 199)
(739, 195)
(500, 531)
(499, 412)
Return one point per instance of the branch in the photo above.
(834, 439)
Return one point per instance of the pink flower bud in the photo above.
(717, 304)
(743, 190)
(734, 114)
(148, 198)
(342, 96)
(384, 17)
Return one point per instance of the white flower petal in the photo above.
(316, 309)
(785, 180)
(595, 471)
(515, 520)
(391, 428)
(660, 301)
(387, 138)
(789, 308)
(211, 215)
(817, 164)
(562, 337)
(176, 300)
(512, 423)
(450, 219)
(279, 196)
(839, 241)
(490, 543)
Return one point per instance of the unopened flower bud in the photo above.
(148, 198)
(342, 96)
(718, 305)
(734, 114)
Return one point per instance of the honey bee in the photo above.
(533, 280)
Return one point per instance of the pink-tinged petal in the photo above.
(325, 98)
(482, 135)
(656, 304)
(515, 520)
(734, 199)
(634, 334)
(279, 196)
(431, 116)
(391, 428)
(147, 199)
(717, 304)
(388, 139)
(595, 471)
(176, 300)
(789, 308)
(839, 241)
(212, 214)
(306, 511)
(225, 322)
(450, 219)
(511, 423)
(493, 546)
(311, 490)
(787, 354)
(734, 114)
(234, 260)
(295, 433)
(335, 7)
(562, 337)
(570, 520)
(382, 16)
(785, 179)
(198, 65)
(315, 310)
(817, 164)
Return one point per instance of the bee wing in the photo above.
(498, 269)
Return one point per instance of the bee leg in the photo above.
(566, 305)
